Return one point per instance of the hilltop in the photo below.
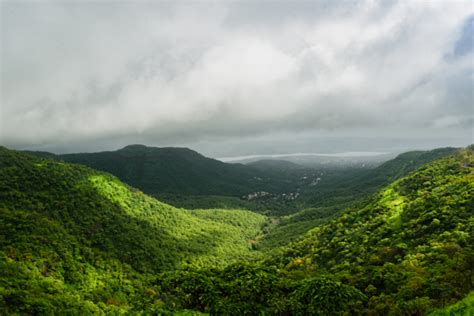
(169, 170)
(182, 176)
(69, 231)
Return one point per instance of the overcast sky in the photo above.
(237, 77)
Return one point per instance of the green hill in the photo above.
(410, 248)
(173, 170)
(76, 230)
(185, 178)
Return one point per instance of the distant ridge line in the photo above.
(343, 154)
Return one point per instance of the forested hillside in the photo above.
(410, 248)
(409, 251)
(184, 178)
(340, 190)
(67, 228)
(347, 185)
(78, 241)
(175, 170)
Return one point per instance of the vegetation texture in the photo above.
(186, 179)
(409, 248)
(78, 241)
(67, 230)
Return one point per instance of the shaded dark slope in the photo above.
(167, 170)
(177, 171)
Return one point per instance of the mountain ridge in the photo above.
(185, 178)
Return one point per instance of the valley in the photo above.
(76, 238)
(237, 158)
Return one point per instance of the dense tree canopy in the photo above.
(78, 241)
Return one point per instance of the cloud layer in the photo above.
(195, 71)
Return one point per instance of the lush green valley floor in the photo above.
(74, 240)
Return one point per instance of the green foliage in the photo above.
(72, 238)
(346, 186)
(247, 223)
(176, 171)
(409, 248)
(78, 241)
(193, 202)
(186, 179)
(281, 231)
(44, 269)
(104, 214)
(254, 289)
(323, 296)
(465, 307)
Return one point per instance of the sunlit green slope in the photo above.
(106, 214)
(67, 229)
(410, 248)
(465, 307)
(340, 190)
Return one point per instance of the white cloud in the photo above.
(86, 71)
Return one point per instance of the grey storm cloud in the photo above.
(191, 71)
